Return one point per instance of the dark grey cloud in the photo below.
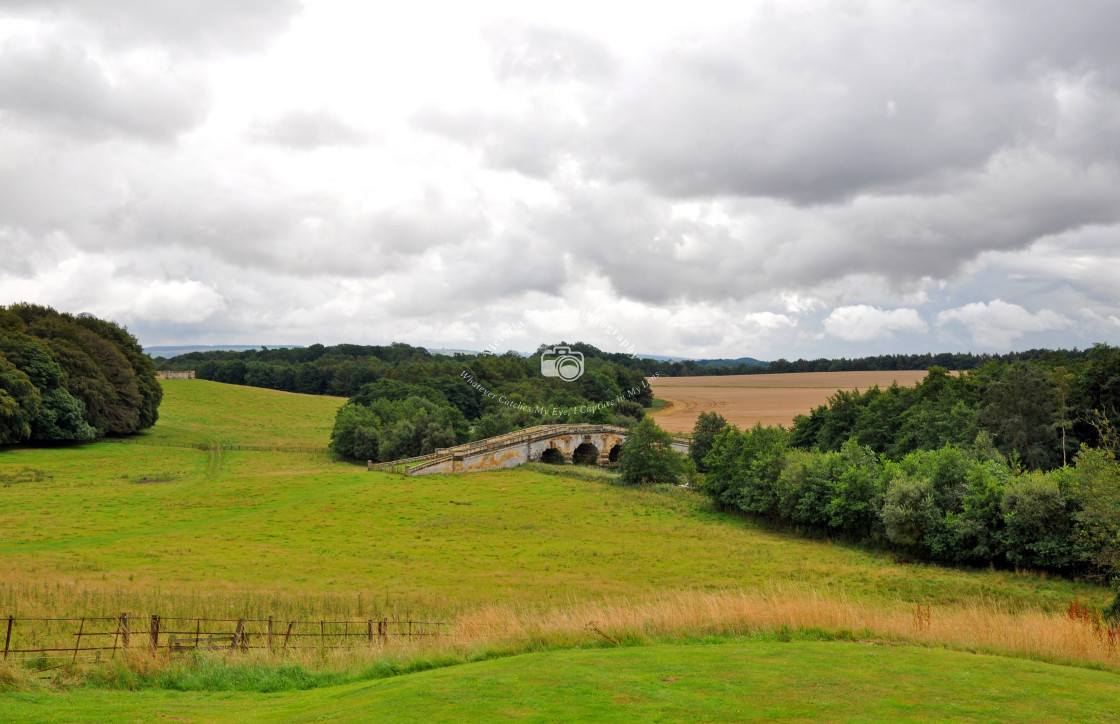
(66, 88)
(649, 254)
(899, 144)
(856, 178)
(307, 130)
(891, 103)
(818, 109)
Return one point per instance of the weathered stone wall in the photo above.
(174, 375)
(519, 453)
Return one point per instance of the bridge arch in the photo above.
(552, 456)
(585, 454)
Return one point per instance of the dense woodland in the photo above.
(71, 378)
(342, 370)
(414, 408)
(1010, 464)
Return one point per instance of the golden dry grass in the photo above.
(768, 399)
(512, 628)
(975, 626)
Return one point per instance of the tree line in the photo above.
(949, 360)
(1037, 412)
(1012, 464)
(341, 369)
(70, 377)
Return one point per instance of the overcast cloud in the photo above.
(783, 179)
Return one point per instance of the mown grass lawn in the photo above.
(734, 681)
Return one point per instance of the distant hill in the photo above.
(174, 351)
(749, 361)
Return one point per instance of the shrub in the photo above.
(647, 455)
(1038, 523)
(909, 510)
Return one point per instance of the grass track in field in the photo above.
(736, 681)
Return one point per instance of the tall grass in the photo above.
(681, 617)
(977, 626)
(25, 598)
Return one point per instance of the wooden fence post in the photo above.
(383, 631)
(153, 631)
(78, 643)
(239, 635)
(270, 633)
(125, 637)
(288, 633)
(8, 638)
(369, 632)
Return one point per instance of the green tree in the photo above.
(804, 488)
(151, 394)
(355, 432)
(1095, 489)
(857, 492)
(744, 468)
(648, 457)
(1022, 408)
(61, 418)
(708, 425)
(910, 512)
(19, 403)
(1038, 522)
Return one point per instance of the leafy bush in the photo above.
(393, 429)
(1038, 522)
(910, 511)
(648, 457)
(744, 466)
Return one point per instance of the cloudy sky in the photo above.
(772, 179)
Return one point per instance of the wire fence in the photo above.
(100, 637)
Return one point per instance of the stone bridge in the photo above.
(581, 444)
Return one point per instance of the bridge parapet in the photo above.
(516, 448)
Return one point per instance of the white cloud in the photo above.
(863, 323)
(305, 129)
(726, 180)
(995, 325)
(183, 301)
(766, 321)
(44, 82)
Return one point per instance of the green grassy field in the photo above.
(732, 681)
(147, 527)
(133, 519)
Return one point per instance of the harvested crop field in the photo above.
(769, 399)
